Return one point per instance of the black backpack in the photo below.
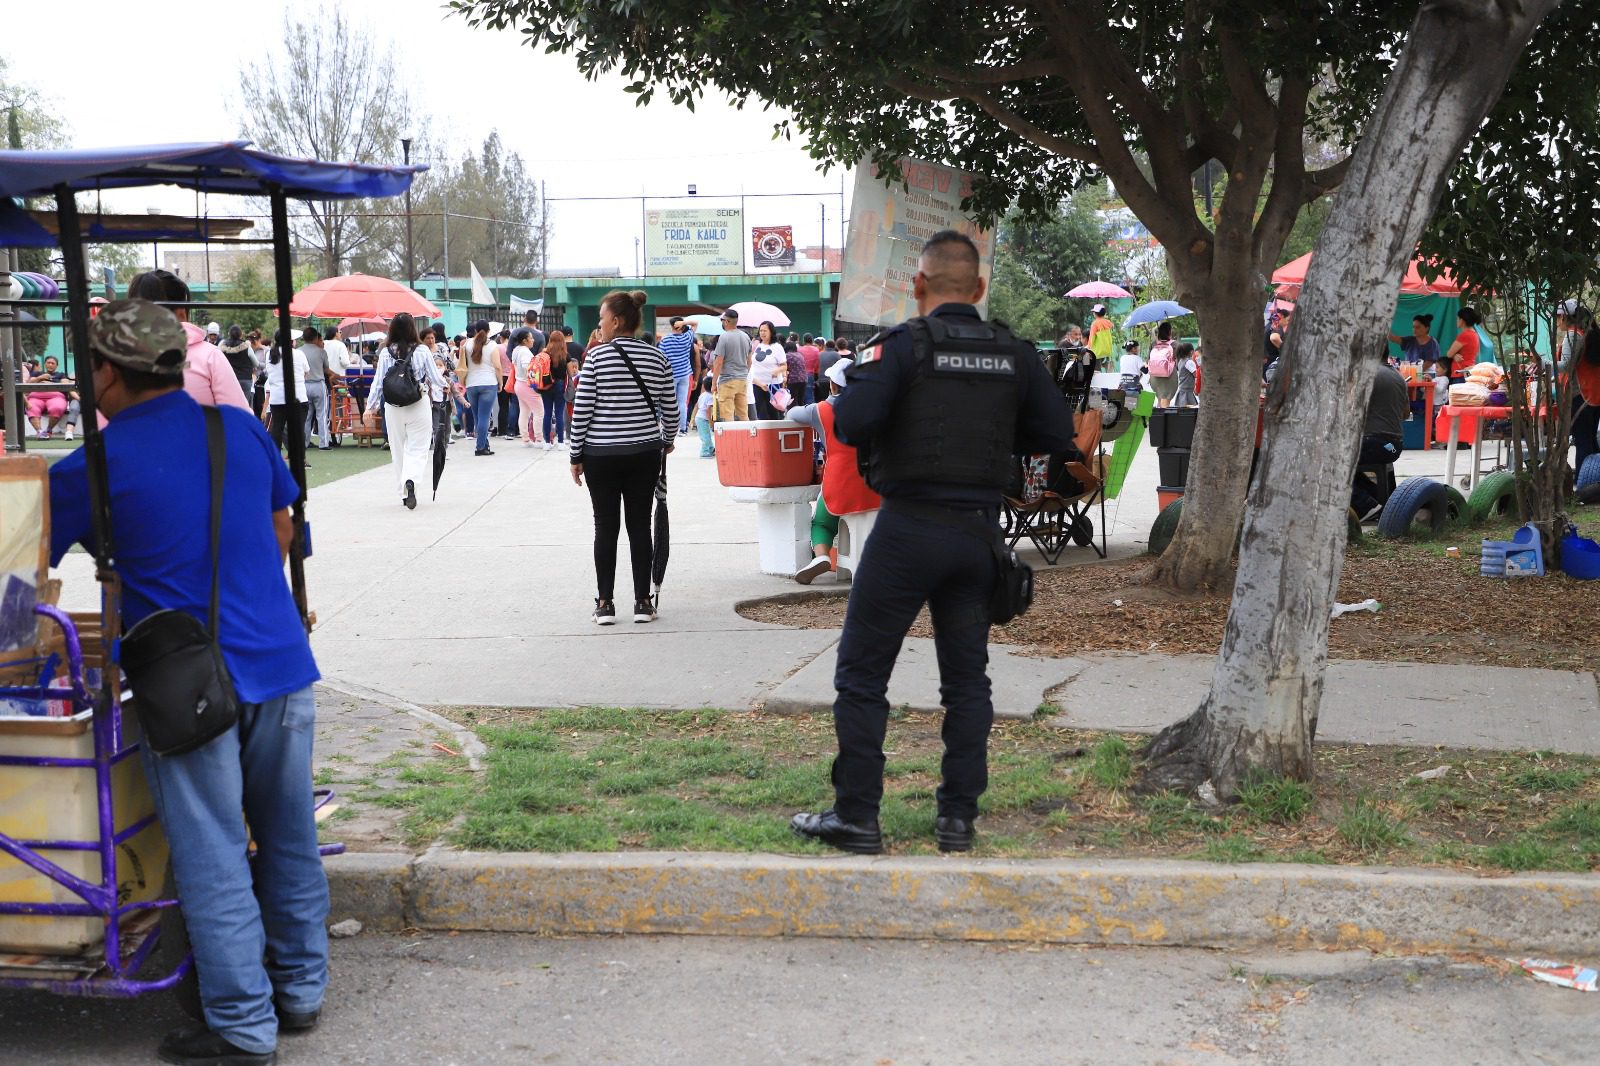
(400, 386)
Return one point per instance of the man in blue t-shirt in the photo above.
(678, 347)
(259, 936)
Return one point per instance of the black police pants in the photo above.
(909, 562)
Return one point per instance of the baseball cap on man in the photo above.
(836, 371)
(140, 335)
(1098, 309)
(213, 329)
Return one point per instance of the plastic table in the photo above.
(1477, 415)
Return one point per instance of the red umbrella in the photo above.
(358, 296)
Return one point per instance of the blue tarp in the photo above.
(218, 166)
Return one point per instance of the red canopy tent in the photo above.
(1292, 275)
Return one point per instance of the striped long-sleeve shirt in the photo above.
(609, 415)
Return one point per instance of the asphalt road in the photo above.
(435, 999)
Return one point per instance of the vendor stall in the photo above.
(83, 900)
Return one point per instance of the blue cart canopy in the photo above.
(224, 167)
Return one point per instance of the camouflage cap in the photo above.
(140, 335)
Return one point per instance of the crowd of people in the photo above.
(1168, 368)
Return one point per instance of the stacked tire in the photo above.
(1422, 506)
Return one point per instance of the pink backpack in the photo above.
(1162, 363)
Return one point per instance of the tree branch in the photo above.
(1321, 182)
(987, 102)
(1025, 70)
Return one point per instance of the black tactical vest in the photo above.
(956, 422)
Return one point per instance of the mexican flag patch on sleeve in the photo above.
(869, 355)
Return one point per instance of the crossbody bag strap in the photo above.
(217, 447)
(638, 380)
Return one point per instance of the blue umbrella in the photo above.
(1156, 311)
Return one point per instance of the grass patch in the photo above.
(1370, 829)
(612, 778)
(1275, 799)
(1543, 779)
(1111, 762)
(1230, 848)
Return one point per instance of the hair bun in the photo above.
(638, 297)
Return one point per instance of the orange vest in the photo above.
(1588, 377)
(843, 491)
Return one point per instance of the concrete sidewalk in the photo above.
(483, 597)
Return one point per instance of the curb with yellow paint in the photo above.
(1156, 902)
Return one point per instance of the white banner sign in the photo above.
(686, 241)
(888, 226)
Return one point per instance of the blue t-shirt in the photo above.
(679, 350)
(1414, 350)
(160, 475)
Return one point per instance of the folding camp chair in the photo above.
(1052, 519)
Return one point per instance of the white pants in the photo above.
(410, 444)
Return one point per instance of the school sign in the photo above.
(698, 241)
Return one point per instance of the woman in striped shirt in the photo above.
(622, 419)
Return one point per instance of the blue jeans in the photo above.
(240, 913)
(481, 399)
(555, 411)
(681, 386)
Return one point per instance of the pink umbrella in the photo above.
(753, 313)
(358, 296)
(1097, 290)
(363, 325)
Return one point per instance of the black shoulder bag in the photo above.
(182, 693)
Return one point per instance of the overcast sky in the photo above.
(182, 58)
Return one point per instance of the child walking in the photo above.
(702, 419)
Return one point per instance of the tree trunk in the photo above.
(1266, 690)
(1201, 555)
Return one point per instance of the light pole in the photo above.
(155, 248)
(411, 280)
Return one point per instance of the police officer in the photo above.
(938, 407)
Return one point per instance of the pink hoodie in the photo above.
(209, 378)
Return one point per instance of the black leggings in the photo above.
(621, 484)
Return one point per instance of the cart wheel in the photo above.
(1082, 531)
(173, 948)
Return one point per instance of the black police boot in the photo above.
(199, 1046)
(954, 834)
(832, 830)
